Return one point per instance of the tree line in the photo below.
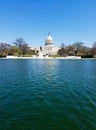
(78, 49)
(21, 48)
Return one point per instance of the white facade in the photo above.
(49, 48)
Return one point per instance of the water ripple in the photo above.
(47, 94)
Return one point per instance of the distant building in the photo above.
(49, 48)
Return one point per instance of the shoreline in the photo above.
(44, 58)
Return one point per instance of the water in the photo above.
(47, 94)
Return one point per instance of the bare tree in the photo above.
(78, 46)
(62, 50)
(22, 45)
(93, 50)
(4, 48)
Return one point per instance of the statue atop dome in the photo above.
(49, 34)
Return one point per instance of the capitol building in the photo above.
(49, 48)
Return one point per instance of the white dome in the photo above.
(49, 40)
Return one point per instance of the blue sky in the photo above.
(68, 21)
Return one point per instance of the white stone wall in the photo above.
(50, 50)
